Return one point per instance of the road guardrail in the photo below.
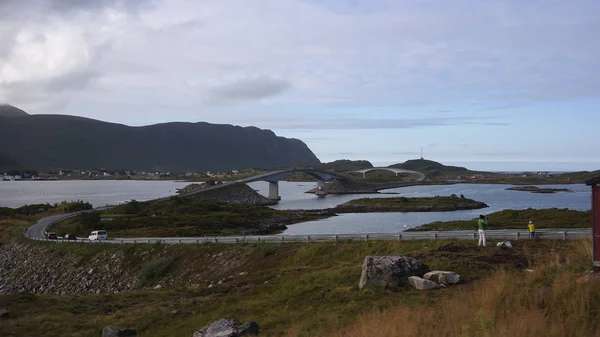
(424, 235)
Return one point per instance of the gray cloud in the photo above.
(501, 107)
(345, 123)
(247, 90)
(406, 153)
(66, 7)
(503, 54)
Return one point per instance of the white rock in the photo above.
(422, 284)
(442, 277)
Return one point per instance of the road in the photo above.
(36, 232)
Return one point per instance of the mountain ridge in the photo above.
(73, 142)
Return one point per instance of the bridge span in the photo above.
(417, 176)
(274, 177)
(322, 177)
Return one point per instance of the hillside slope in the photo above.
(59, 141)
(11, 111)
(7, 163)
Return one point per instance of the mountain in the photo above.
(69, 142)
(11, 111)
(7, 163)
(433, 169)
(344, 165)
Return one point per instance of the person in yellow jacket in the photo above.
(531, 230)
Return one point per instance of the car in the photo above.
(52, 236)
(98, 235)
(70, 237)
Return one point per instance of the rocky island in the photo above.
(403, 204)
(535, 189)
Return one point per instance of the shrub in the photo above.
(155, 269)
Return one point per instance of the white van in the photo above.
(98, 235)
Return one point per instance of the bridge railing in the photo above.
(429, 235)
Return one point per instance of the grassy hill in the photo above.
(433, 169)
(344, 165)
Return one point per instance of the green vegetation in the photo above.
(507, 219)
(13, 221)
(155, 269)
(402, 204)
(535, 189)
(308, 289)
(182, 217)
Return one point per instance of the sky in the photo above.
(488, 84)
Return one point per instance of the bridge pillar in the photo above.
(364, 174)
(274, 191)
(321, 189)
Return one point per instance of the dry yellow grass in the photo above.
(546, 301)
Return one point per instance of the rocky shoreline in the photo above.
(278, 224)
(237, 193)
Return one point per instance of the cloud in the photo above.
(247, 90)
(363, 53)
(347, 123)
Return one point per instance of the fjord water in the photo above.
(97, 192)
(496, 196)
(100, 193)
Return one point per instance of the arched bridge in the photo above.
(274, 177)
(418, 176)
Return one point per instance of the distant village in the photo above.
(114, 174)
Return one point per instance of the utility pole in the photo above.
(421, 153)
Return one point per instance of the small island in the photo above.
(535, 189)
(402, 204)
(509, 219)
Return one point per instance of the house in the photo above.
(595, 184)
(477, 176)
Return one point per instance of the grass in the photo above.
(508, 219)
(14, 221)
(290, 289)
(180, 217)
(550, 300)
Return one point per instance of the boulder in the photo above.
(423, 284)
(227, 327)
(442, 277)
(115, 331)
(389, 271)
